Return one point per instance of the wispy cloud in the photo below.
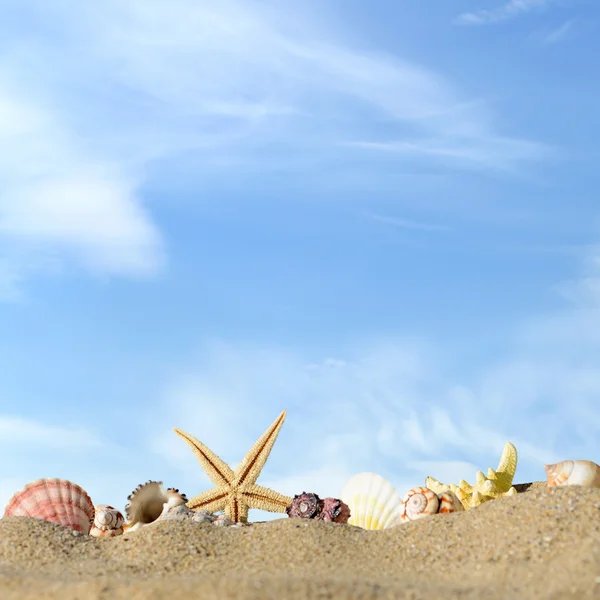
(406, 223)
(510, 10)
(559, 34)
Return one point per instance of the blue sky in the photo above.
(381, 218)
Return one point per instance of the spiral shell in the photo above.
(108, 521)
(149, 502)
(55, 500)
(449, 503)
(304, 506)
(573, 472)
(418, 503)
(334, 510)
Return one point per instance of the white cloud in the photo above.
(559, 34)
(510, 10)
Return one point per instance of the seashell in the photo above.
(55, 500)
(372, 501)
(573, 472)
(449, 503)
(223, 521)
(497, 483)
(305, 506)
(418, 503)
(334, 510)
(108, 521)
(149, 502)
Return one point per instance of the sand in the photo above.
(542, 543)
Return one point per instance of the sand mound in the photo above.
(544, 543)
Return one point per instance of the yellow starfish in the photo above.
(237, 491)
(497, 483)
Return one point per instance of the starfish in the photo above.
(497, 483)
(236, 491)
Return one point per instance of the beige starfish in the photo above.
(236, 491)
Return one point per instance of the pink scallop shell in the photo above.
(56, 500)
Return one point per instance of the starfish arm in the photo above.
(249, 469)
(435, 486)
(262, 498)
(237, 508)
(507, 467)
(217, 469)
(211, 500)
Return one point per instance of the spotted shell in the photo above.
(108, 521)
(148, 502)
(418, 503)
(573, 472)
(55, 500)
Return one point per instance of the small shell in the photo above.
(372, 500)
(223, 521)
(305, 506)
(449, 503)
(108, 521)
(418, 503)
(55, 500)
(573, 472)
(334, 510)
(148, 502)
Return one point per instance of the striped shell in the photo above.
(449, 503)
(108, 521)
(418, 503)
(372, 500)
(573, 472)
(148, 502)
(55, 500)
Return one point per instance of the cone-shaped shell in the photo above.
(108, 521)
(372, 500)
(148, 502)
(573, 472)
(56, 500)
(418, 503)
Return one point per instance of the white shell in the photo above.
(418, 503)
(573, 472)
(149, 502)
(108, 521)
(373, 501)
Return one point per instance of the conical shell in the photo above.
(418, 503)
(573, 472)
(373, 501)
(108, 521)
(56, 500)
(148, 502)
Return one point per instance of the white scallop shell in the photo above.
(573, 472)
(373, 501)
(108, 521)
(418, 503)
(149, 502)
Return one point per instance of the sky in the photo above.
(381, 217)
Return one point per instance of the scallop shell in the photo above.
(449, 503)
(56, 500)
(108, 521)
(148, 502)
(372, 500)
(573, 472)
(418, 503)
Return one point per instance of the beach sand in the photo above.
(542, 543)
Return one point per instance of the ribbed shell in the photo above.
(418, 503)
(55, 500)
(373, 501)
